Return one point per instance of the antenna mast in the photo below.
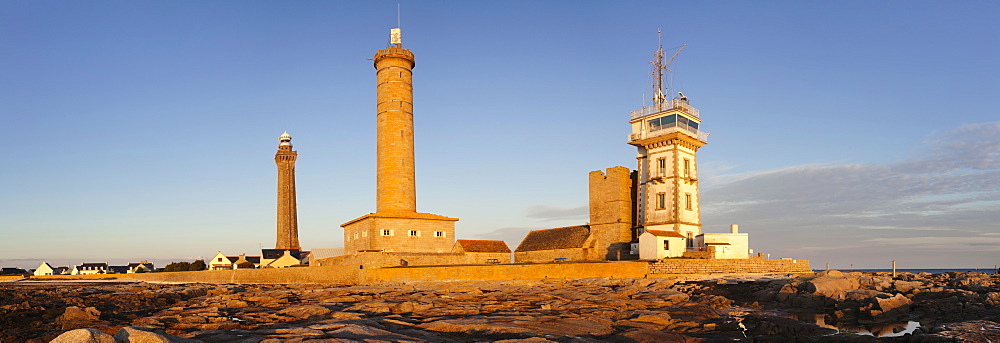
(659, 91)
(396, 35)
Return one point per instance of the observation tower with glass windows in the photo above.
(667, 135)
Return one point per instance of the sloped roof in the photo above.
(558, 238)
(12, 270)
(662, 233)
(101, 265)
(319, 253)
(118, 269)
(475, 245)
(272, 254)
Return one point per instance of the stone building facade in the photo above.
(667, 138)
(392, 233)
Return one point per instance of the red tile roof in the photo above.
(661, 233)
(475, 245)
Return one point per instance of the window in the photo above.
(413, 233)
(661, 201)
(663, 122)
(690, 240)
(666, 245)
(220, 259)
(364, 233)
(386, 233)
(687, 201)
(438, 233)
(661, 167)
(673, 120)
(356, 235)
(687, 168)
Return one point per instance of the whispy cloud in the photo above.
(947, 199)
(547, 212)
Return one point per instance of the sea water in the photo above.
(932, 271)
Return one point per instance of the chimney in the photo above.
(734, 228)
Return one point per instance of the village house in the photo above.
(246, 262)
(280, 258)
(44, 269)
(144, 266)
(90, 268)
(270, 258)
(13, 271)
(222, 262)
(118, 269)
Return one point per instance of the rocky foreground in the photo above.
(951, 307)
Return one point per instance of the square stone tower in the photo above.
(396, 226)
(612, 212)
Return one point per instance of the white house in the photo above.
(657, 244)
(45, 269)
(134, 267)
(726, 245)
(221, 262)
(91, 268)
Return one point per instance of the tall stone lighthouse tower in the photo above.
(288, 223)
(667, 136)
(397, 190)
(396, 226)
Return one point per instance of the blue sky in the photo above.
(843, 132)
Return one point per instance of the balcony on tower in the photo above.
(675, 115)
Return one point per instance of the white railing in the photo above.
(700, 135)
(666, 106)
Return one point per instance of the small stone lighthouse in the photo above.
(288, 223)
(396, 226)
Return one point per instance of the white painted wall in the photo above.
(44, 269)
(739, 244)
(651, 247)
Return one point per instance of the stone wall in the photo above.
(573, 254)
(630, 269)
(371, 260)
(332, 274)
(353, 275)
(729, 266)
